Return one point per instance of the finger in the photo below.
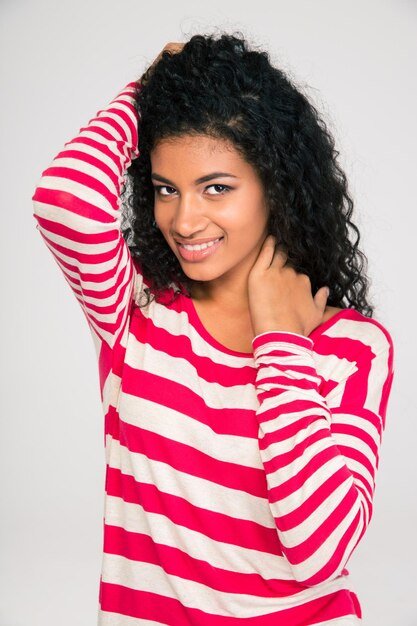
(280, 257)
(264, 257)
(321, 298)
(172, 47)
(268, 250)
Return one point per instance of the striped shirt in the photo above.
(237, 484)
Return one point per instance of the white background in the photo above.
(60, 63)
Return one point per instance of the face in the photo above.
(209, 206)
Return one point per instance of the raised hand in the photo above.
(171, 47)
(281, 298)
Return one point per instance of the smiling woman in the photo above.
(244, 380)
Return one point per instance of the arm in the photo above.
(321, 454)
(77, 208)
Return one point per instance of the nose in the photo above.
(189, 218)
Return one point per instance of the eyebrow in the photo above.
(203, 179)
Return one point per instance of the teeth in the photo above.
(201, 246)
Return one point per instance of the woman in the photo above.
(244, 380)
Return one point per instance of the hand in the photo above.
(172, 47)
(279, 297)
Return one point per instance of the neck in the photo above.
(231, 296)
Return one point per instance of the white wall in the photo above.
(60, 62)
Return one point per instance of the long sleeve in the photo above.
(321, 452)
(77, 207)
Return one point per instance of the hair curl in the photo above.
(220, 88)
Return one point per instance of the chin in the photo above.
(199, 273)
(199, 276)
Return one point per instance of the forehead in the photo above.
(198, 151)
(194, 143)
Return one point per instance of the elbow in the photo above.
(48, 202)
(323, 558)
(35, 209)
(325, 574)
(315, 575)
(320, 567)
(36, 201)
(319, 556)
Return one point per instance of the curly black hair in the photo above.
(219, 87)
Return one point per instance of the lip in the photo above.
(194, 256)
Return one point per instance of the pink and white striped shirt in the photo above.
(237, 484)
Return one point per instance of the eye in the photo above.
(158, 189)
(225, 189)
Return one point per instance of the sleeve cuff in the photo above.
(281, 337)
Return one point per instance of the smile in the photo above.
(198, 252)
(201, 246)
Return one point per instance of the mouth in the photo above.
(198, 252)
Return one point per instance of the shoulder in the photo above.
(357, 353)
(351, 344)
(350, 327)
(354, 357)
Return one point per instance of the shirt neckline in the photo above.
(203, 332)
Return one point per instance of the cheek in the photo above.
(250, 220)
(162, 224)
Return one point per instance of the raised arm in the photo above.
(321, 452)
(77, 207)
